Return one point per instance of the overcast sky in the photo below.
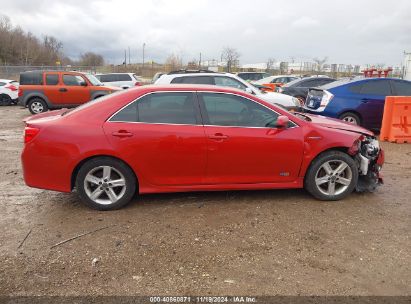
(347, 31)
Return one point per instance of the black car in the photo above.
(299, 88)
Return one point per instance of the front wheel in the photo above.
(105, 183)
(332, 176)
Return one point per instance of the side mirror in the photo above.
(248, 90)
(83, 84)
(282, 121)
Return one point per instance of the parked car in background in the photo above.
(121, 80)
(156, 139)
(299, 87)
(273, 82)
(157, 76)
(252, 76)
(9, 90)
(40, 91)
(359, 102)
(227, 80)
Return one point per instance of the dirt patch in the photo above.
(251, 242)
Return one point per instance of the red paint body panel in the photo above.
(173, 158)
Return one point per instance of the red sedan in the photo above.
(194, 138)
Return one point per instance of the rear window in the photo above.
(31, 78)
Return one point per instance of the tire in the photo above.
(91, 181)
(37, 105)
(320, 183)
(351, 117)
(5, 100)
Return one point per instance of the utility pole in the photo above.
(129, 62)
(199, 62)
(144, 46)
(125, 57)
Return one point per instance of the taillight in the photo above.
(20, 92)
(11, 87)
(137, 84)
(30, 133)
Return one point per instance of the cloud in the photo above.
(347, 31)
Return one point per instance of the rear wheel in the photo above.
(105, 183)
(332, 176)
(37, 105)
(351, 118)
(5, 100)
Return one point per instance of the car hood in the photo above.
(337, 124)
(278, 98)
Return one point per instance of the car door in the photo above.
(372, 99)
(243, 144)
(162, 137)
(75, 90)
(52, 87)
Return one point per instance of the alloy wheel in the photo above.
(105, 185)
(37, 107)
(333, 177)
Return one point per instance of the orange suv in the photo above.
(44, 90)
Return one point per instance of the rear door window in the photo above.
(123, 77)
(194, 80)
(377, 87)
(165, 108)
(52, 79)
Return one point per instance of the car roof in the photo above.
(7, 80)
(357, 80)
(55, 71)
(114, 73)
(190, 87)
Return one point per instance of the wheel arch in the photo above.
(82, 162)
(337, 148)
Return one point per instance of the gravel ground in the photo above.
(249, 243)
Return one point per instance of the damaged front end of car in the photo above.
(369, 157)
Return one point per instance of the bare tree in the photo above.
(231, 57)
(174, 62)
(270, 65)
(91, 59)
(320, 62)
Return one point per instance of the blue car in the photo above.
(360, 101)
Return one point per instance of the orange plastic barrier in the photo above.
(396, 121)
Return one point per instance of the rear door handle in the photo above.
(218, 136)
(63, 90)
(365, 100)
(122, 133)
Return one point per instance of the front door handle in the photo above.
(218, 136)
(63, 90)
(122, 133)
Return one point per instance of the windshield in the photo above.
(93, 79)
